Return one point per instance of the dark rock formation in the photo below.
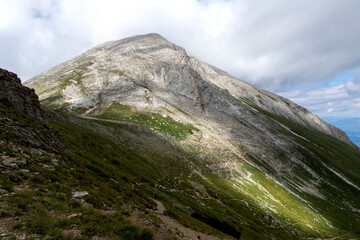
(22, 121)
(21, 97)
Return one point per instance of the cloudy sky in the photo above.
(306, 50)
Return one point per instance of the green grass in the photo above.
(287, 207)
(44, 216)
(163, 124)
(5, 182)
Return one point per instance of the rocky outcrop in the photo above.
(16, 127)
(21, 97)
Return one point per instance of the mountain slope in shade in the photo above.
(247, 145)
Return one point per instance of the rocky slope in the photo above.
(223, 156)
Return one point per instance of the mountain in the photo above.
(160, 145)
(154, 75)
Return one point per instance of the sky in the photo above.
(305, 50)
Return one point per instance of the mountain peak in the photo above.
(148, 35)
(139, 42)
(145, 37)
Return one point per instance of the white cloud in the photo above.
(353, 85)
(339, 100)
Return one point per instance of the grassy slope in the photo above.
(210, 210)
(116, 175)
(321, 150)
(165, 178)
(42, 199)
(118, 171)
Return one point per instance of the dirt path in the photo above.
(108, 120)
(182, 231)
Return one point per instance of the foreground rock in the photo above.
(21, 97)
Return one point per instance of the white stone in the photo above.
(80, 194)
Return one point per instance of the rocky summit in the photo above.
(155, 144)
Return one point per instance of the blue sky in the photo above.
(304, 50)
(337, 96)
(349, 125)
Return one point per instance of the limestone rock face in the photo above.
(150, 73)
(21, 97)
